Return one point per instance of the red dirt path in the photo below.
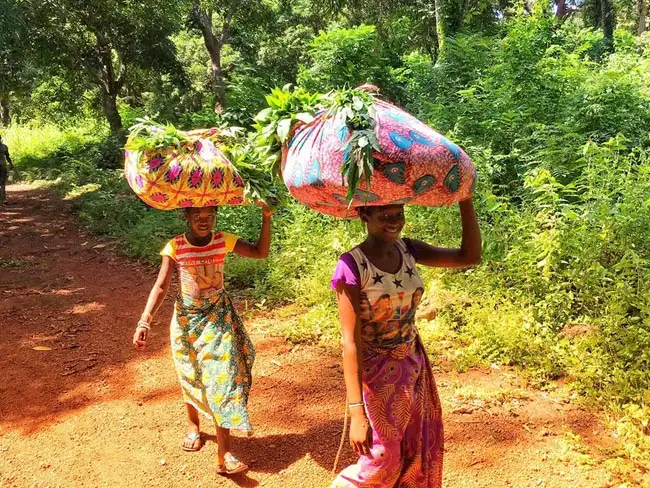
(91, 411)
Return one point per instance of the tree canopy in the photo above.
(84, 58)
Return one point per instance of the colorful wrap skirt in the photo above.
(405, 414)
(213, 356)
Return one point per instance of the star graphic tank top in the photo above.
(388, 300)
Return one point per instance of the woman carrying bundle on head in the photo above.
(396, 417)
(171, 169)
(212, 352)
(363, 157)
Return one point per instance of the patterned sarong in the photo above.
(214, 357)
(406, 418)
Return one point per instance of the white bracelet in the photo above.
(143, 325)
(359, 404)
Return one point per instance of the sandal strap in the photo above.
(193, 436)
(232, 464)
(230, 458)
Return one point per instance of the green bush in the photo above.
(571, 257)
(346, 58)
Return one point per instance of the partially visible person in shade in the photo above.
(5, 159)
(396, 416)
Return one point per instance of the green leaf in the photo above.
(305, 117)
(284, 127)
(263, 115)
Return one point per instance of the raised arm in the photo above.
(260, 249)
(156, 298)
(469, 252)
(348, 302)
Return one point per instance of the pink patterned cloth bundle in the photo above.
(416, 165)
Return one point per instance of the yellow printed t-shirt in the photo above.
(200, 268)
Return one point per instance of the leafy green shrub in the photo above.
(531, 96)
(345, 58)
(434, 89)
(572, 257)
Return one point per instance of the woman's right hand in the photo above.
(140, 338)
(267, 211)
(360, 435)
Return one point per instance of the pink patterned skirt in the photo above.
(405, 414)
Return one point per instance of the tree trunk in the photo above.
(608, 21)
(528, 6)
(213, 45)
(433, 46)
(5, 117)
(429, 26)
(449, 17)
(217, 72)
(439, 31)
(561, 10)
(109, 104)
(642, 8)
(110, 79)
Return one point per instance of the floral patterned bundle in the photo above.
(194, 174)
(416, 165)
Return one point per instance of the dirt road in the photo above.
(80, 407)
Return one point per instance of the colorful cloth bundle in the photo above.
(416, 165)
(193, 173)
